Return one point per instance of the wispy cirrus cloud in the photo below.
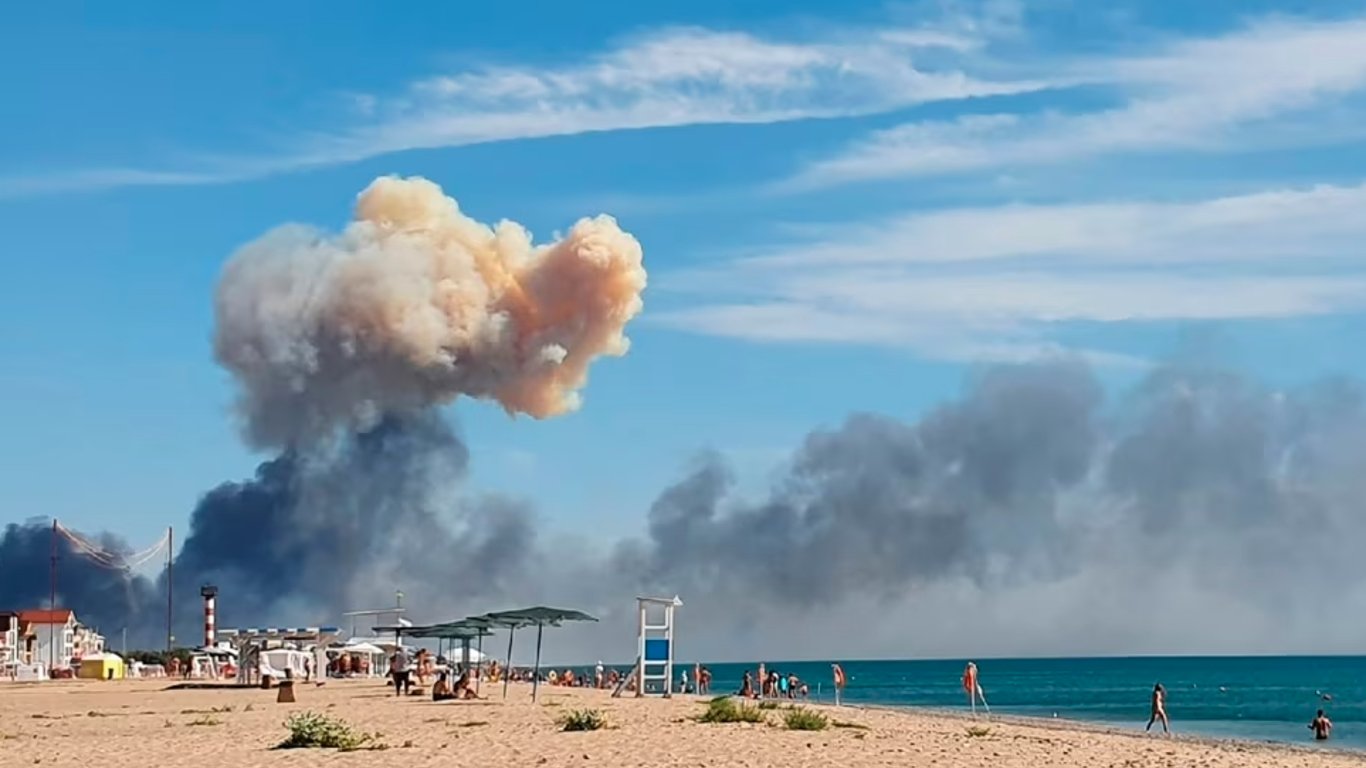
(1208, 94)
(666, 78)
(997, 282)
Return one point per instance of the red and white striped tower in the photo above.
(210, 595)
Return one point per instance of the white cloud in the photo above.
(1196, 95)
(673, 77)
(997, 283)
(1322, 222)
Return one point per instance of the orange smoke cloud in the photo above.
(414, 304)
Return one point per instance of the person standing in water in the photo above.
(1159, 710)
(1321, 726)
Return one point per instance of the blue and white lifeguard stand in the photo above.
(655, 662)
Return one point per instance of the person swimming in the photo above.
(1159, 709)
(1321, 726)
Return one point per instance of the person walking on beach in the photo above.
(1321, 726)
(398, 668)
(1159, 711)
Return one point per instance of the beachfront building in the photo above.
(87, 642)
(52, 637)
(9, 640)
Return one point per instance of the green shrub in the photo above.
(978, 731)
(800, 719)
(767, 705)
(725, 710)
(583, 720)
(312, 730)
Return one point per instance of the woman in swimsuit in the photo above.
(1159, 709)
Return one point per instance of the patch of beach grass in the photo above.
(203, 720)
(978, 731)
(724, 710)
(310, 730)
(801, 719)
(210, 711)
(847, 724)
(583, 720)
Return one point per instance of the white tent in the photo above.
(366, 648)
(475, 656)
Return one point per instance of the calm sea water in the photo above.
(1262, 698)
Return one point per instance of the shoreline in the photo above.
(137, 723)
(1101, 727)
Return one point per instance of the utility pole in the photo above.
(170, 586)
(52, 606)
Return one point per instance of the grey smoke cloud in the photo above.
(1029, 514)
(1199, 513)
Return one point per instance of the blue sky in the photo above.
(844, 207)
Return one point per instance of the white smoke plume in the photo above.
(414, 304)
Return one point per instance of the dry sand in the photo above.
(140, 724)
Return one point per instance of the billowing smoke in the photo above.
(413, 305)
(344, 347)
(110, 598)
(1201, 513)
(880, 504)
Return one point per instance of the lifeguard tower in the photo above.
(655, 662)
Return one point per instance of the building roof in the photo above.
(59, 616)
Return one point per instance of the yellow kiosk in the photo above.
(101, 666)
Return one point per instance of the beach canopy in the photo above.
(539, 616)
(360, 648)
(463, 630)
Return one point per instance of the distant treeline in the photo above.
(162, 657)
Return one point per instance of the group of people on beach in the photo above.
(772, 684)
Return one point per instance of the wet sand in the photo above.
(138, 724)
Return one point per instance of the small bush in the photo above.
(312, 730)
(583, 720)
(978, 731)
(205, 720)
(725, 710)
(767, 705)
(805, 720)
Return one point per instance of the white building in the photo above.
(53, 637)
(10, 650)
(88, 642)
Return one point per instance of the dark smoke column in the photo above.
(343, 347)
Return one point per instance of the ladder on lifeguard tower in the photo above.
(655, 663)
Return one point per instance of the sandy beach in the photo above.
(128, 724)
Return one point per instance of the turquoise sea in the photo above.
(1253, 698)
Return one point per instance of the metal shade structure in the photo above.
(463, 630)
(539, 616)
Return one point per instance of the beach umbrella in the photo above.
(541, 617)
